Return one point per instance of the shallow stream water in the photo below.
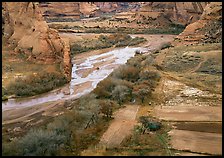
(117, 57)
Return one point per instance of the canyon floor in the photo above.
(185, 99)
(196, 126)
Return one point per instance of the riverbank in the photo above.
(12, 121)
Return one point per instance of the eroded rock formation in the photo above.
(170, 12)
(58, 11)
(71, 11)
(207, 29)
(26, 32)
(147, 12)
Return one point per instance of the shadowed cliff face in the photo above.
(207, 29)
(25, 31)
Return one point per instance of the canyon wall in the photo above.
(174, 12)
(207, 29)
(56, 11)
(25, 31)
(170, 12)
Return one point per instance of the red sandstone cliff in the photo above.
(26, 32)
(207, 29)
(170, 12)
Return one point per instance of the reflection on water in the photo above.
(120, 55)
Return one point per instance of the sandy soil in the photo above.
(155, 41)
(121, 126)
(81, 87)
(201, 142)
(181, 113)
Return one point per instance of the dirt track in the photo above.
(122, 125)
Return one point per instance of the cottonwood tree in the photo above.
(41, 143)
(142, 91)
(106, 108)
(119, 93)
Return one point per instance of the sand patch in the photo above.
(82, 86)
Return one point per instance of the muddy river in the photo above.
(87, 72)
(115, 58)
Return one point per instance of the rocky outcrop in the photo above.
(87, 9)
(170, 12)
(72, 11)
(59, 11)
(26, 32)
(207, 29)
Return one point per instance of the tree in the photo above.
(149, 124)
(106, 108)
(120, 93)
(41, 142)
(142, 91)
(126, 72)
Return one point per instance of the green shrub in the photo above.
(142, 91)
(126, 72)
(120, 93)
(35, 143)
(166, 45)
(36, 84)
(149, 75)
(117, 39)
(136, 61)
(106, 108)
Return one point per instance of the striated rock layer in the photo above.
(58, 10)
(170, 12)
(152, 12)
(26, 32)
(71, 11)
(207, 29)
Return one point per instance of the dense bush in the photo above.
(120, 93)
(36, 84)
(126, 72)
(106, 108)
(136, 61)
(171, 29)
(166, 45)
(149, 75)
(105, 87)
(4, 94)
(36, 143)
(117, 40)
(141, 91)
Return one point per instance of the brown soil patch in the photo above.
(122, 125)
(188, 113)
(210, 127)
(155, 41)
(81, 87)
(201, 142)
(22, 115)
